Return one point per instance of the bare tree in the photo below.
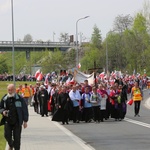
(122, 23)
(64, 37)
(27, 38)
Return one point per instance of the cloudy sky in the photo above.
(43, 18)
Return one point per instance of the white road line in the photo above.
(74, 137)
(138, 122)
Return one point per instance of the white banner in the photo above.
(80, 77)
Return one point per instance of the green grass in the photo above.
(3, 90)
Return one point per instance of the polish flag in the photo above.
(113, 74)
(46, 79)
(37, 73)
(40, 77)
(130, 102)
(79, 66)
(101, 75)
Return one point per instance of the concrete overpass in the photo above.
(34, 46)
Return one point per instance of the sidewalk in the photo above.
(44, 134)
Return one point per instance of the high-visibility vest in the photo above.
(26, 92)
(137, 95)
(19, 91)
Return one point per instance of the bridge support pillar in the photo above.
(28, 55)
(28, 59)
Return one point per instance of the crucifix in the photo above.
(94, 70)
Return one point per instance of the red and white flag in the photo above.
(79, 66)
(37, 73)
(102, 75)
(46, 79)
(40, 77)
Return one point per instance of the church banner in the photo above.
(80, 77)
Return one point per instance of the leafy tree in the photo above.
(3, 65)
(96, 38)
(146, 13)
(69, 58)
(92, 54)
(136, 42)
(53, 61)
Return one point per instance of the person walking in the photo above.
(26, 93)
(75, 96)
(63, 105)
(137, 96)
(95, 100)
(15, 114)
(43, 100)
(87, 114)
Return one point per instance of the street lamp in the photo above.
(13, 59)
(106, 55)
(53, 36)
(77, 51)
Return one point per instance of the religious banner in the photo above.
(80, 77)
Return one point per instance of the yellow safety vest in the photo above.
(137, 95)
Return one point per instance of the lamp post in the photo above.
(53, 36)
(13, 59)
(106, 55)
(77, 51)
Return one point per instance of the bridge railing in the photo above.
(33, 43)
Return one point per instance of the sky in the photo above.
(46, 19)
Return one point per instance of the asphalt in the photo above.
(44, 134)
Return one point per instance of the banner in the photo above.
(80, 77)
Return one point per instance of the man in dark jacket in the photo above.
(64, 105)
(43, 100)
(15, 114)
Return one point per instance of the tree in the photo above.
(3, 65)
(53, 61)
(113, 44)
(146, 13)
(27, 38)
(96, 38)
(69, 58)
(123, 23)
(91, 54)
(136, 40)
(64, 37)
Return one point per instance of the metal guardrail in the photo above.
(34, 43)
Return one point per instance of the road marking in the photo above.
(138, 122)
(73, 136)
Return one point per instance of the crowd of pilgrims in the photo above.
(80, 102)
